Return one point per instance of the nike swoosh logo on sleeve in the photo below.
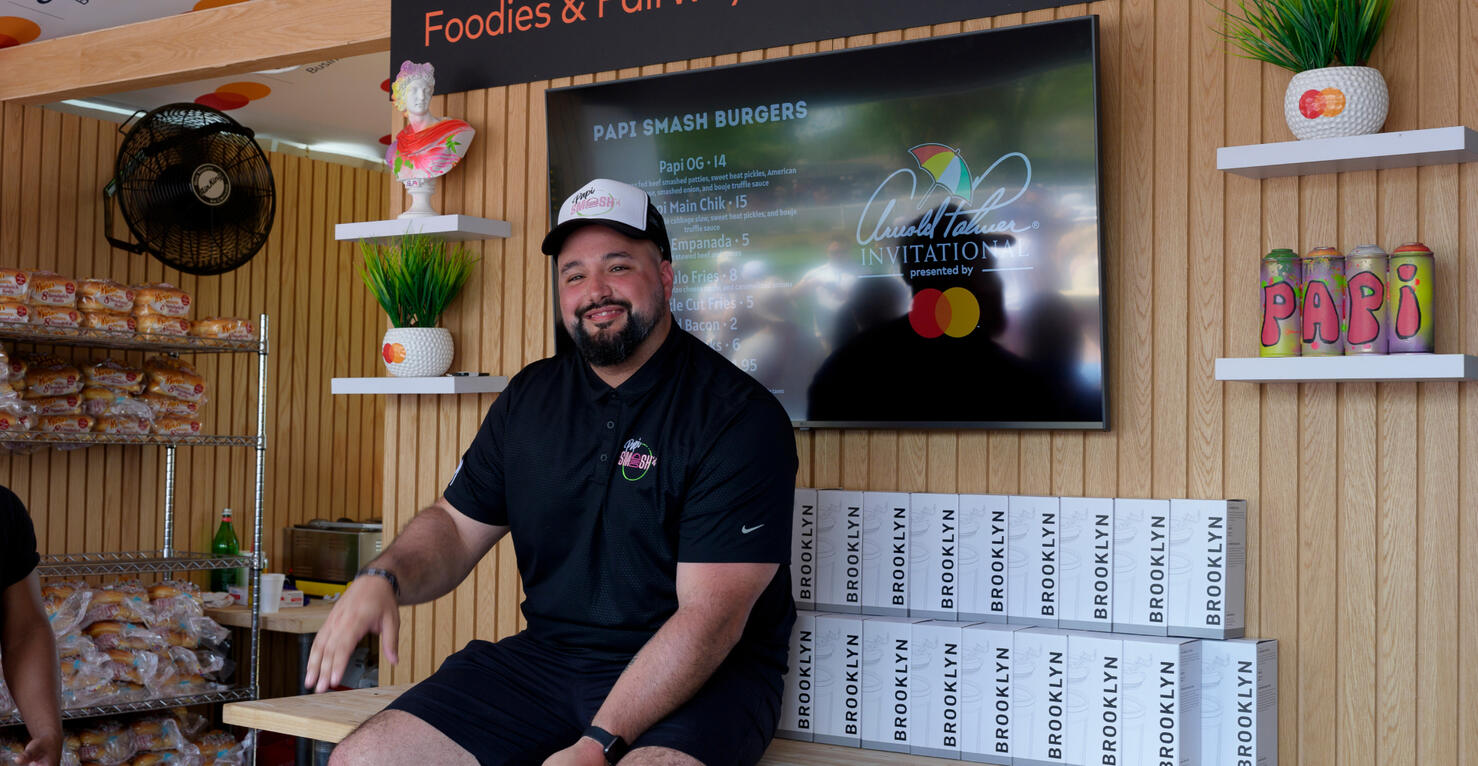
(747, 530)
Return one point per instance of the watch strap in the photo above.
(612, 745)
(385, 573)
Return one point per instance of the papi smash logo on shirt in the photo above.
(636, 459)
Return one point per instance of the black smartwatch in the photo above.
(385, 573)
(613, 746)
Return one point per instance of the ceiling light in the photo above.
(98, 106)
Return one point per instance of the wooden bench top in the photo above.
(330, 717)
(295, 619)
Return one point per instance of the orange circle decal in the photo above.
(1334, 101)
(251, 90)
(203, 4)
(15, 30)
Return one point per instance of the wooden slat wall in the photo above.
(1362, 496)
(323, 451)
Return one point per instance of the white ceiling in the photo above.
(335, 107)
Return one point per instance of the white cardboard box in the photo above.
(1039, 694)
(797, 707)
(1162, 701)
(985, 712)
(933, 575)
(839, 551)
(803, 549)
(1239, 702)
(1033, 601)
(838, 669)
(1208, 568)
(1086, 543)
(983, 564)
(935, 686)
(1094, 698)
(886, 701)
(1141, 566)
(885, 553)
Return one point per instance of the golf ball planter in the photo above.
(1336, 101)
(417, 352)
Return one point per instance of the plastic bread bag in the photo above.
(174, 602)
(188, 755)
(173, 425)
(55, 316)
(107, 743)
(15, 373)
(120, 602)
(110, 321)
(66, 404)
(64, 424)
(158, 324)
(174, 378)
(50, 376)
(104, 295)
(176, 613)
(66, 612)
(160, 298)
(49, 288)
(220, 748)
(169, 364)
(190, 722)
(124, 424)
(211, 633)
(167, 405)
(157, 732)
(111, 634)
(17, 313)
(113, 374)
(97, 399)
(223, 327)
(15, 284)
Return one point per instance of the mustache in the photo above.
(608, 302)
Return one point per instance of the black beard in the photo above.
(612, 350)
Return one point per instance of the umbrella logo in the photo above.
(948, 169)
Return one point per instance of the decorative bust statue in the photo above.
(427, 147)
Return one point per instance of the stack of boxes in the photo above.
(1027, 630)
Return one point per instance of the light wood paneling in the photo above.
(321, 450)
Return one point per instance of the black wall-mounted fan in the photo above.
(195, 189)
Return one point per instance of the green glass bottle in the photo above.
(224, 544)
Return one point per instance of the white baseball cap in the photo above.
(619, 206)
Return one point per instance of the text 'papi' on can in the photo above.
(1411, 317)
(1365, 285)
(1322, 310)
(1282, 275)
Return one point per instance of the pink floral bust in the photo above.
(428, 146)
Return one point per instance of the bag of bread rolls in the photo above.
(109, 321)
(114, 374)
(104, 295)
(14, 284)
(159, 324)
(66, 404)
(63, 424)
(174, 378)
(11, 311)
(15, 417)
(55, 316)
(157, 733)
(119, 603)
(52, 378)
(65, 606)
(174, 425)
(49, 288)
(223, 327)
(96, 400)
(167, 405)
(160, 298)
(108, 743)
(122, 424)
(111, 634)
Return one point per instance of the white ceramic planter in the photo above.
(417, 352)
(1336, 101)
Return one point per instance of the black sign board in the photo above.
(486, 43)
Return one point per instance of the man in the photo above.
(647, 484)
(27, 648)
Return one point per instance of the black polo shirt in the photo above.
(607, 489)
(17, 542)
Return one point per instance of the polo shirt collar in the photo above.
(643, 379)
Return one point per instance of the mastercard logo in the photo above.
(954, 312)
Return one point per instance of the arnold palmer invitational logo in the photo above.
(592, 202)
(636, 459)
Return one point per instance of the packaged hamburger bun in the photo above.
(56, 316)
(14, 284)
(98, 400)
(168, 405)
(122, 424)
(66, 404)
(174, 425)
(160, 298)
(12, 311)
(174, 378)
(109, 321)
(49, 288)
(222, 327)
(114, 374)
(159, 324)
(49, 376)
(104, 295)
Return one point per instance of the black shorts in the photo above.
(519, 701)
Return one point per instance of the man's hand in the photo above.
(368, 606)
(43, 751)
(585, 752)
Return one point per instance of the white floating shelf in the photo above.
(1318, 369)
(446, 384)
(1377, 151)
(453, 228)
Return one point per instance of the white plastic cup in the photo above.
(272, 591)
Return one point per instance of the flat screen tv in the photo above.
(904, 235)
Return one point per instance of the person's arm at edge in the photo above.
(30, 662)
(714, 602)
(429, 558)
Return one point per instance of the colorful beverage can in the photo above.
(1282, 276)
(1411, 318)
(1322, 308)
(1365, 288)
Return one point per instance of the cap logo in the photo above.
(588, 203)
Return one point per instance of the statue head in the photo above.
(413, 87)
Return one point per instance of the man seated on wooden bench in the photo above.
(647, 483)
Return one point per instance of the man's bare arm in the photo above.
(31, 668)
